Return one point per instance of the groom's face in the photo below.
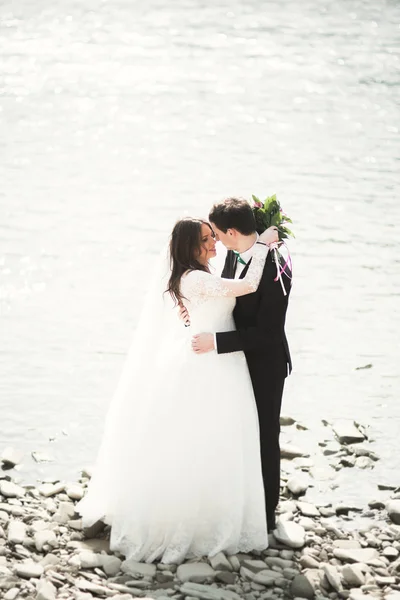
(229, 239)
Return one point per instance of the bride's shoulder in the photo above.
(194, 276)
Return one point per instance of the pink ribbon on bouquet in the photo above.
(274, 248)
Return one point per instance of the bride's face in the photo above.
(207, 244)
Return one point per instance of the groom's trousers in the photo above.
(269, 400)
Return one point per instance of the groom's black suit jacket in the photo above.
(260, 322)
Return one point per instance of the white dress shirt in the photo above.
(246, 256)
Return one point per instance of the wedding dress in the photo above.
(178, 473)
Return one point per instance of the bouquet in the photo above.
(269, 213)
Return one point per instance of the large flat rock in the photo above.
(347, 432)
(289, 533)
(197, 572)
(356, 555)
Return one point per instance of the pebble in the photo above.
(16, 532)
(333, 576)
(347, 433)
(390, 552)
(133, 567)
(45, 538)
(363, 555)
(289, 533)
(8, 489)
(64, 513)
(393, 509)
(11, 457)
(219, 562)
(307, 509)
(289, 452)
(286, 421)
(297, 485)
(301, 587)
(46, 591)
(28, 569)
(75, 492)
(353, 575)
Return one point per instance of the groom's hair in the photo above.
(233, 213)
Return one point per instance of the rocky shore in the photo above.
(313, 553)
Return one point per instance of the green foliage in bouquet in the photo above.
(269, 213)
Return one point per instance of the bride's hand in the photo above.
(270, 236)
(184, 315)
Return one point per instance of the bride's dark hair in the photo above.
(184, 248)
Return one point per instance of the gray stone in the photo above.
(227, 577)
(286, 421)
(28, 569)
(301, 587)
(46, 591)
(393, 509)
(276, 561)
(12, 594)
(289, 533)
(45, 538)
(75, 491)
(347, 433)
(11, 457)
(137, 568)
(111, 565)
(390, 552)
(347, 544)
(289, 452)
(353, 575)
(364, 462)
(50, 559)
(41, 457)
(382, 581)
(219, 562)
(65, 512)
(357, 555)
(207, 592)
(309, 562)
(16, 532)
(90, 560)
(88, 586)
(298, 484)
(197, 572)
(233, 559)
(254, 565)
(308, 524)
(94, 545)
(307, 509)
(333, 577)
(287, 506)
(264, 578)
(51, 489)
(8, 489)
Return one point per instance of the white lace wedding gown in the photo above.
(178, 472)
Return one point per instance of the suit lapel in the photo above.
(246, 268)
(230, 266)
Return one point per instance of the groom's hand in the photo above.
(203, 342)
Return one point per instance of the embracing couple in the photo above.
(189, 463)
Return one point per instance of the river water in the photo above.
(116, 118)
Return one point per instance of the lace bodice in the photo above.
(210, 299)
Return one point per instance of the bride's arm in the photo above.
(205, 284)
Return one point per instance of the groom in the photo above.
(260, 333)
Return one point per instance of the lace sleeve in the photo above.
(204, 284)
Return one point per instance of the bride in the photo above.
(178, 473)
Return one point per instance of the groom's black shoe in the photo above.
(271, 523)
